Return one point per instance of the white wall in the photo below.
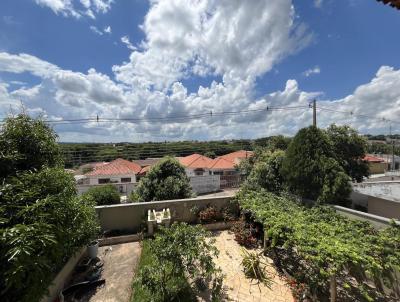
(205, 184)
(94, 180)
(126, 187)
(389, 190)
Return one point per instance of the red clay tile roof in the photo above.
(373, 159)
(221, 163)
(195, 161)
(115, 167)
(241, 154)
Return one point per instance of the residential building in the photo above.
(377, 165)
(196, 164)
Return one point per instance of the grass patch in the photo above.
(140, 293)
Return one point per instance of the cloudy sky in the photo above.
(199, 69)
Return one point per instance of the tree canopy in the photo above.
(27, 144)
(166, 180)
(349, 149)
(43, 222)
(311, 170)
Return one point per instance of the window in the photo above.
(104, 181)
(199, 172)
(218, 172)
(126, 179)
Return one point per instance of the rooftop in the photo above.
(116, 167)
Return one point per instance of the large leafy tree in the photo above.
(166, 180)
(266, 171)
(349, 148)
(27, 144)
(43, 222)
(308, 166)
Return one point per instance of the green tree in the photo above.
(27, 144)
(43, 222)
(103, 195)
(278, 142)
(266, 172)
(307, 165)
(181, 259)
(349, 148)
(210, 154)
(166, 180)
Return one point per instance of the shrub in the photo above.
(209, 214)
(103, 195)
(317, 246)
(175, 261)
(254, 267)
(166, 180)
(43, 222)
(243, 234)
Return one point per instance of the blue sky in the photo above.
(188, 57)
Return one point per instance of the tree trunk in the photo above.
(333, 288)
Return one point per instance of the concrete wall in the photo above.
(389, 190)
(384, 208)
(378, 222)
(378, 168)
(130, 216)
(123, 188)
(205, 184)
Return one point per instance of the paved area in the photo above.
(240, 288)
(120, 261)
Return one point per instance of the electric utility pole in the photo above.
(314, 106)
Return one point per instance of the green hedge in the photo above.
(326, 243)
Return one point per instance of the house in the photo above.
(120, 172)
(380, 196)
(377, 165)
(227, 164)
(116, 171)
(196, 164)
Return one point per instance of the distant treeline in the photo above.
(381, 137)
(81, 153)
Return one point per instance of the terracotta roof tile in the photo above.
(373, 159)
(115, 167)
(195, 161)
(241, 154)
(221, 163)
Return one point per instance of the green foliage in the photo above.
(324, 243)
(307, 165)
(254, 267)
(175, 261)
(349, 149)
(266, 172)
(78, 153)
(210, 154)
(27, 144)
(103, 195)
(166, 180)
(43, 224)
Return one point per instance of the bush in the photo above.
(317, 245)
(166, 180)
(209, 214)
(266, 172)
(178, 259)
(243, 234)
(103, 195)
(43, 222)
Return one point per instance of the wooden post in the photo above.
(332, 288)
